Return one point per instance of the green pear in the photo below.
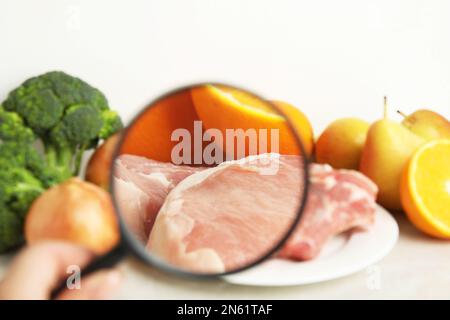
(427, 124)
(342, 142)
(389, 145)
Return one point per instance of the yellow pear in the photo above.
(341, 143)
(427, 124)
(389, 145)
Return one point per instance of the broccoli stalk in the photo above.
(59, 161)
(67, 117)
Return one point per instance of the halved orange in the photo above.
(222, 107)
(300, 123)
(150, 134)
(425, 188)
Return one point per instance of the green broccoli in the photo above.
(11, 227)
(46, 124)
(13, 128)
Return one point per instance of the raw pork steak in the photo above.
(226, 217)
(338, 200)
(140, 186)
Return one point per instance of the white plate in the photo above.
(343, 255)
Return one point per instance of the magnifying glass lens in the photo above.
(209, 179)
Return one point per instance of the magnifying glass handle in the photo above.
(106, 261)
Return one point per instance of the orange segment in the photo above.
(425, 188)
(222, 107)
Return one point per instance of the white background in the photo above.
(332, 59)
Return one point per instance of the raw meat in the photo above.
(222, 217)
(140, 186)
(226, 217)
(338, 200)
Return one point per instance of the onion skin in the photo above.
(75, 211)
(99, 165)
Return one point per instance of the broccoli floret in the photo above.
(111, 124)
(42, 101)
(21, 188)
(66, 114)
(79, 126)
(18, 188)
(13, 128)
(15, 159)
(62, 114)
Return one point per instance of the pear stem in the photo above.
(402, 114)
(385, 109)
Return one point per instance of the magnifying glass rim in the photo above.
(129, 240)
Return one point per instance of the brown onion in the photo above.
(76, 211)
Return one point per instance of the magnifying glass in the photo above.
(207, 180)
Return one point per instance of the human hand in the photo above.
(40, 268)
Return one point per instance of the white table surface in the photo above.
(330, 58)
(417, 268)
